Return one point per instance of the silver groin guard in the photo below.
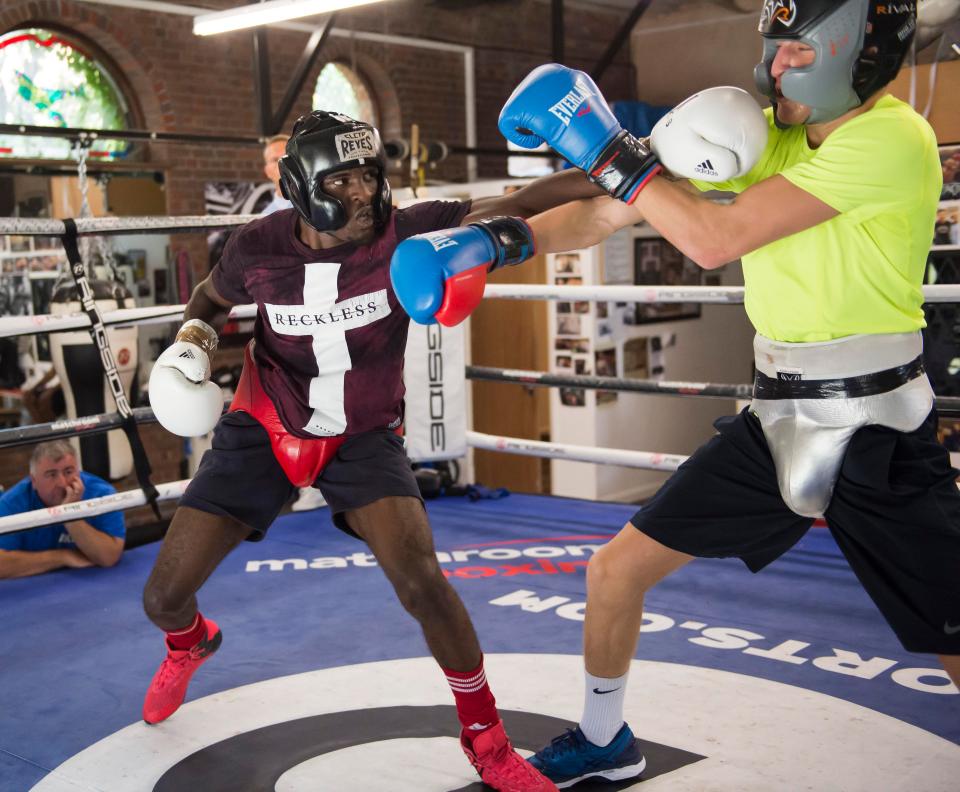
(811, 398)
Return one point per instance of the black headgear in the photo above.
(324, 143)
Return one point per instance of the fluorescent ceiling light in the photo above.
(266, 13)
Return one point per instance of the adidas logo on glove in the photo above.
(188, 354)
(706, 168)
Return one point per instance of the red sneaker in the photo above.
(169, 684)
(499, 766)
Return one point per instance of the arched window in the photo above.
(48, 80)
(339, 88)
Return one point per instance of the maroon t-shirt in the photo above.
(330, 334)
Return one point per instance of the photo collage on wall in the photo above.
(946, 231)
(950, 162)
(943, 263)
(574, 327)
(659, 263)
(941, 337)
(29, 266)
(602, 339)
(605, 364)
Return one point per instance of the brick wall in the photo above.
(179, 82)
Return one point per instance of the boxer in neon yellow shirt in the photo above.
(833, 224)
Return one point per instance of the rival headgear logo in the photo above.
(782, 11)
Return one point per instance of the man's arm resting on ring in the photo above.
(538, 196)
(101, 548)
(23, 563)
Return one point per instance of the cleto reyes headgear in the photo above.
(858, 45)
(324, 143)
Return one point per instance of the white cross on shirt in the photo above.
(327, 320)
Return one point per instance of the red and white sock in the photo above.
(476, 706)
(189, 636)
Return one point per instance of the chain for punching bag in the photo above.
(99, 334)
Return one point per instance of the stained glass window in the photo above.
(341, 89)
(47, 80)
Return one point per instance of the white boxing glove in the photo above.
(184, 400)
(715, 135)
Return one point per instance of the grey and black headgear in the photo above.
(324, 143)
(859, 46)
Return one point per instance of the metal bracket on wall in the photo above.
(557, 30)
(271, 123)
(621, 36)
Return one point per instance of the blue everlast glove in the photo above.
(565, 108)
(440, 276)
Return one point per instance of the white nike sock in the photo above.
(602, 708)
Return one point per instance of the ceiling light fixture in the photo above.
(267, 13)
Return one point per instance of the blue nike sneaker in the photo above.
(570, 758)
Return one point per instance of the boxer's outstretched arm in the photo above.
(710, 233)
(536, 197)
(581, 224)
(713, 234)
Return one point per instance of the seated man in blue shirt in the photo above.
(56, 479)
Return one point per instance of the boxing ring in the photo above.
(746, 682)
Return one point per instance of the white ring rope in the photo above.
(727, 295)
(87, 226)
(48, 323)
(510, 445)
(83, 509)
(574, 453)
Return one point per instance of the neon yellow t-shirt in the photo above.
(860, 272)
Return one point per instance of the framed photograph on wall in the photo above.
(569, 324)
(138, 261)
(567, 263)
(658, 263)
(946, 229)
(635, 358)
(573, 397)
(950, 162)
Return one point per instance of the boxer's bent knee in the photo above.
(423, 591)
(163, 604)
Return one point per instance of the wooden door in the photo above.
(511, 334)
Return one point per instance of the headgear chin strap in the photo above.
(858, 47)
(324, 143)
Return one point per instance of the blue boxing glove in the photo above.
(440, 276)
(565, 108)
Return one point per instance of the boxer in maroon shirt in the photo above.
(319, 403)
